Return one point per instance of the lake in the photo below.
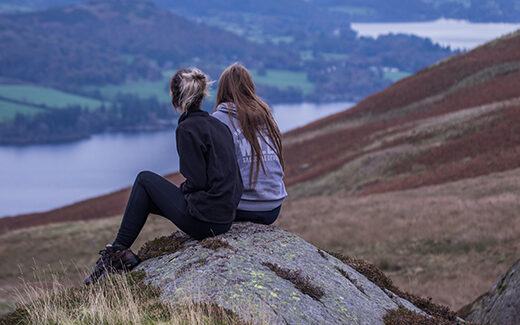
(42, 177)
(458, 34)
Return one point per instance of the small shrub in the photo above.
(300, 282)
(160, 246)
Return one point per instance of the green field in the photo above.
(284, 79)
(8, 110)
(141, 88)
(159, 89)
(395, 75)
(52, 98)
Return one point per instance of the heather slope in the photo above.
(456, 119)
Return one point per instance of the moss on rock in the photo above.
(214, 244)
(301, 282)
(161, 246)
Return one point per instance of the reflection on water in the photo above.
(459, 34)
(42, 177)
(292, 116)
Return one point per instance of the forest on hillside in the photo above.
(104, 50)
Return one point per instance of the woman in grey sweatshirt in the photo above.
(258, 145)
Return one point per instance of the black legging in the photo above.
(263, 217)
(152, 193)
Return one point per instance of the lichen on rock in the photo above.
(261, 273)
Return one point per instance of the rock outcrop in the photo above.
(501, 305)
(267, 275)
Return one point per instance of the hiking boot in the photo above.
(114, 259)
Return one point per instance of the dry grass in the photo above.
(68, 249)
(118, 299)
(449, 242)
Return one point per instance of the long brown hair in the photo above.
(236, 86)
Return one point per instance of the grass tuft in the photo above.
(301, 282)
(160, 246)
(116, 299)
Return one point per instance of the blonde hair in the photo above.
(188, 88)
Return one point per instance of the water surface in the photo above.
(42, 177)
(458, 34)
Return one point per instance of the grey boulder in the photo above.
(267, 275)
(501, 305)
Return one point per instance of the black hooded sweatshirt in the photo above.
(207, 160)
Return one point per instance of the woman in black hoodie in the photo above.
(205, 203)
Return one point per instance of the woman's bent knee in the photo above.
(145, 174)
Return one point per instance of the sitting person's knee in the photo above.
(144, 174)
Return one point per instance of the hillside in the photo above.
(102, 42)
(421, 178)
(109, 42)
(456, 119)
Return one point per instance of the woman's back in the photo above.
(268, 192)
(206, 158)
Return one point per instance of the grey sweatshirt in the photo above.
(269, 190)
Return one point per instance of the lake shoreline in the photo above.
(161, 125)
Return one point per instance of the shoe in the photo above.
(114, 259)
